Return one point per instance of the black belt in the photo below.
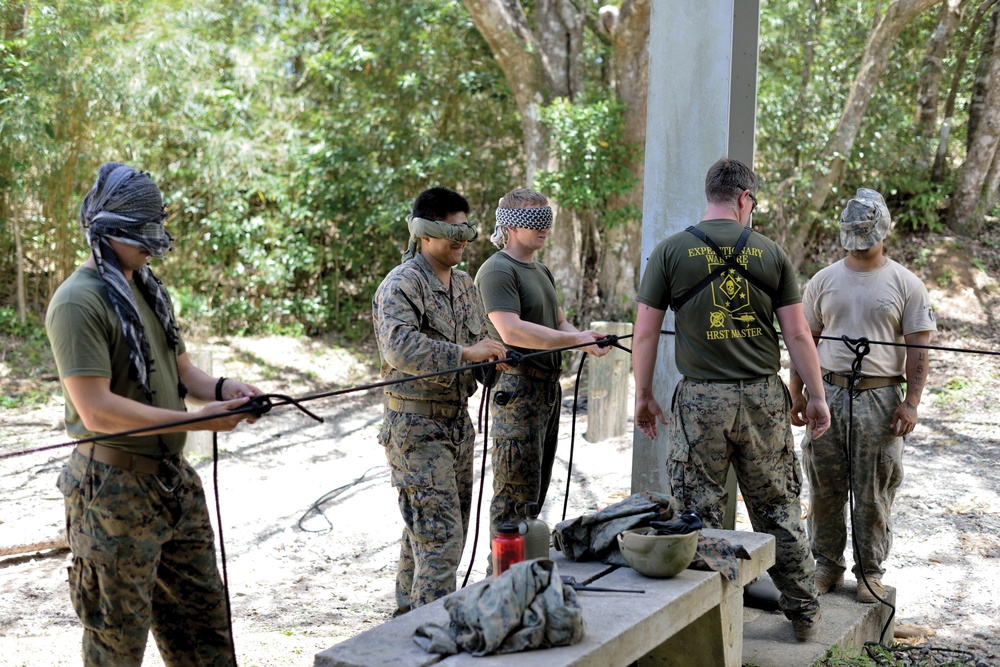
(534, 373)
(866, 382)
(423, 408)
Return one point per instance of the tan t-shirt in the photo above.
(881, 305)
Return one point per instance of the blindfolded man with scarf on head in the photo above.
(428, 318)
(137, 522)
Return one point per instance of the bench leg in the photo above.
(713, 639)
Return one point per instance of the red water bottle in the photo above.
(508, 548)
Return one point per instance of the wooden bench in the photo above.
(693, 619)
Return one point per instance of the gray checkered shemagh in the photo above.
(126, 205)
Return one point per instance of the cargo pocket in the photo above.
(679, 447)
(92, 581)
(67, 483)
(412, 462)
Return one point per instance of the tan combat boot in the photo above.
(865, 596)
(827, 579)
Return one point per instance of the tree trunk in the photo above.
(981, 83)
(873, 62)
(22, 306)
(595, 270)
(540, 66)
(969, 201)
(941, 158)
(621, 251)
(930, 73)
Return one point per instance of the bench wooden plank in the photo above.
(621, 627)
(695, 608)
(388, 645)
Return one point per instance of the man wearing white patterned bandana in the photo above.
(143, 546)
(520, 299)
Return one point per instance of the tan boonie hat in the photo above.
(865, 220)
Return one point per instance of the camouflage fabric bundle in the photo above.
(527, 607)
(594, 536)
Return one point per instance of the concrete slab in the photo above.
(768, 639)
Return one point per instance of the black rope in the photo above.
(260, 405)
(483, 424)
(964, 350)
(222, 542)
(317, 506)
(572, 434)
(878, 651)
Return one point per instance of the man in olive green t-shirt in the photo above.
(727, 284)
(137, 522)
(519, 296)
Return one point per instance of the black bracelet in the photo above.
(218, 389)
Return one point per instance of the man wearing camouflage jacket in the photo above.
(428, 318)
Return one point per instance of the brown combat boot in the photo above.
(827, 579)
(865, 596)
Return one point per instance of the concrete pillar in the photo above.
(607, 387)
(702, 96)
(199, 443)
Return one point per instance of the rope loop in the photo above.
(513, 357)
(259, 405)
(610, 339)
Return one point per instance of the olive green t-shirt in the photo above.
(87, 340)
(527, 289)
(726, 331)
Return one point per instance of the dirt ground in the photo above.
(304, 576)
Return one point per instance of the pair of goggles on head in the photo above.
(438, 229)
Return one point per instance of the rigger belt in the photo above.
(871, 382)
(119, 458)
(534, 373)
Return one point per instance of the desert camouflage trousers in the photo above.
(143, 560)
(525, 433)
(713, 424)
(431, 464)
(877, 462)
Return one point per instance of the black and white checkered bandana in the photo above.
(126, 205)
(526, 218)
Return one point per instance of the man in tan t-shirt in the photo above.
(864, 295)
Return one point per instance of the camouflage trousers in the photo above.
(143, 559)
(525, 432)
(713, 424)
(877, 462)
(431, 464)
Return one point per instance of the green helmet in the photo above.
(655, 555)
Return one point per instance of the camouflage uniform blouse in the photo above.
(421, 327)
